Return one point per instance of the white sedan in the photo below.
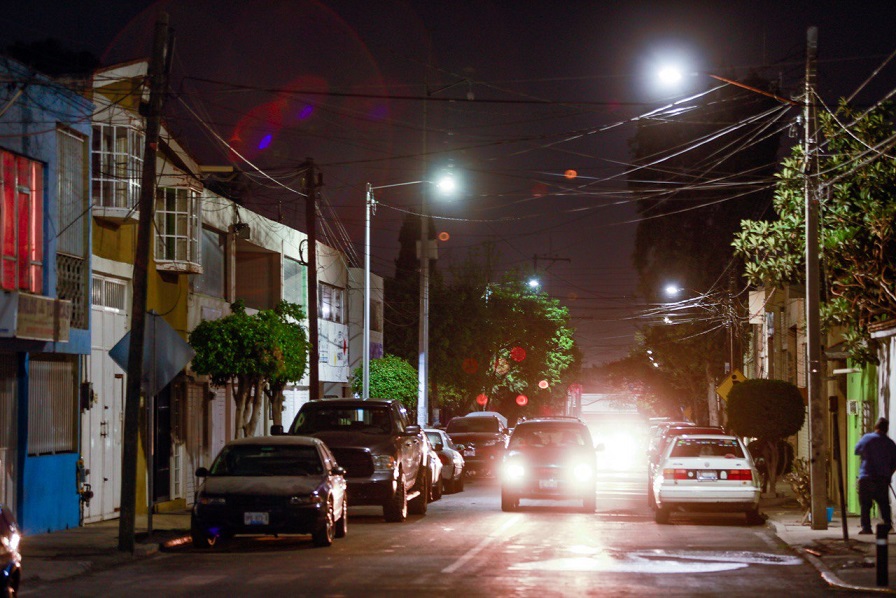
(706, 472)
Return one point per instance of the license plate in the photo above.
(255, 518)
(707, 475)
(547, 484)
(470, 452)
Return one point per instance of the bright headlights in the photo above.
(514, 471)
(582, 472)
(383, 462)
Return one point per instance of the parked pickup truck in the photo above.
(384, 455)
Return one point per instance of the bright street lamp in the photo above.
(446, 184)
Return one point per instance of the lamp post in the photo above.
(445, 184)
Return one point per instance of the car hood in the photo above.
(261, 485)
(375, 443)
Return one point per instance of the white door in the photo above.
(102, 425)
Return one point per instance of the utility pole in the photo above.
(312, 184)
(157, 80)
(817, 440)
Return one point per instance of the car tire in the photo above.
(661, 515)
(509, 502)
(201, 538)
(438, 489)
(589, 503)
(651, 499)
(459, 483)
(396, 508)
(418, 505)
(323, 535)
(754, 517)
(342, 522)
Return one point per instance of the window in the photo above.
(117, 166)
(212, 253)
(177, 228)
(293, 281)
(72, 246)
(109, 293)
(330, 303)
(21, 214)
(52, 405)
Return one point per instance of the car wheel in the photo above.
(589, 503)
(754, 517)
(661, 515)
(459, 483)
(396, 509)
(438, 489)
(201, 538)
(651, 499)
(342, 522)
(509, 502)
(326, 530)
(418, 505)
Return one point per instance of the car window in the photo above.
(707, 447)
(434, 438)
(372, 420)
(548, 436)
(267, 460)
(473, 424)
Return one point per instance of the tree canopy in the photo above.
(256, 354)
(391, 377)
(855, 183)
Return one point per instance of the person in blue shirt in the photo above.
(878, 453)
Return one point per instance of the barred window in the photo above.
(330, 303)
(109, 293)
(52, 405)
(177, 225)
(117, 158)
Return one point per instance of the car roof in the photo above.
(280, 440)
(552, 419)
(357, 403)
(707, 437)
(679, 430)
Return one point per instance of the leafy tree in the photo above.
(268, 349)
(769, 411)
(391, 377)
(857, 217)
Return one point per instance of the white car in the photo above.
(706, 472)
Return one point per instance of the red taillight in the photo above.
(741, 475)
(676, 474)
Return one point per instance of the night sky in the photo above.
(511, 95)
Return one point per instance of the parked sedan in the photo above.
(450, 456)
(434, 466)
(658, 447)
(706, 472)
(271, 485)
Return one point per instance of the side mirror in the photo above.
(276, 430)
(202, 472)
(338, 470)
(459, 447)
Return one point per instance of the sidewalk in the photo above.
(843, 564)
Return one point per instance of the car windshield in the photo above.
(549, 436)
(370, 420)
(707, 447)
(434, 438)
(267, 460)
(473, 424)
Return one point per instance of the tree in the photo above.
(256, 354)
(857, 216)
(391, 377)
(768, 410)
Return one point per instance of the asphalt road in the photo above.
(466, 546)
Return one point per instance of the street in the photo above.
(465, 545)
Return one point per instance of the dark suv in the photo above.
(484, 438)
(549, 458)
(383, 454)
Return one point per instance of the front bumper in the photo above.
(374, 490)
(223, 520)
(483, 459)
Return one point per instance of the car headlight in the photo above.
(310, 499)
(212, 500)
(514, 471)
(383, 462)
(582, 472)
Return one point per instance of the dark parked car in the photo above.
(450, 456)
(383, 453)
(271, 485)
(10, 557)
(549, 458)
(484, 438)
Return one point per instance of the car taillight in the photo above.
(740, 475)
(676, 474)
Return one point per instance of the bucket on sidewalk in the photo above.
(830, 514)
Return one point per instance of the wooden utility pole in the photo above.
(157, 80)
(817, 430)
(313, 181)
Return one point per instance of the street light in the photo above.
(446, 185)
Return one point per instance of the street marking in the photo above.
(479, 547)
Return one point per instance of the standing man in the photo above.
(878, 453)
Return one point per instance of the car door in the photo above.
(410, 447)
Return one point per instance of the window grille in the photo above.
(109, 293)
(52, 405)
(117, 158)
(330, 303)
(72, 197)
(70, 285)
